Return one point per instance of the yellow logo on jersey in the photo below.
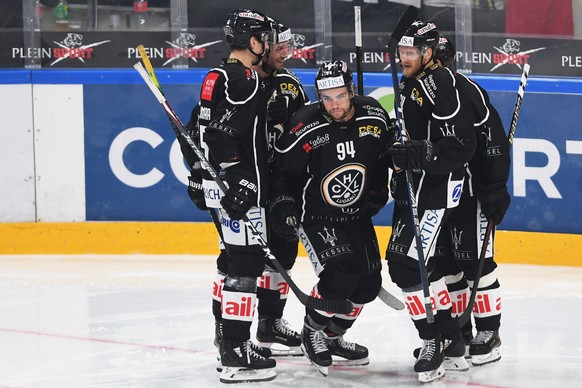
(290, 89)
(415, 95)
(373, 130)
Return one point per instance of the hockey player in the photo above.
(439, 141)
(286, 96)
(232, 121)
(484, 197)
(334, 153)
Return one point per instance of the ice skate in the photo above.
(484, 348)
(455, 354)
(314, 346)
(242, 364)
(275, 334)
(429, 363)
(350, 353)
(264, 352)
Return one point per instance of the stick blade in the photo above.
(404, 22)
(338, 306)
(390, 300)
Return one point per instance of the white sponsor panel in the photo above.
(16, 154)
(59, 152)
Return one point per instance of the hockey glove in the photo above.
(377, 200)
(494, 204)
(241, 194)
(413, 154)
(195, 187)
(283, 216)
(278, 110)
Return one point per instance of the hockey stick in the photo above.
(466, 316)
(337, 306)
(390, 300)
(154, 78)
(403, 23)
(359, 63)
(152, 75)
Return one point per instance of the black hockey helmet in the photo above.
(422, 35)
(333, 74)
(242, 24)
(282, 33)
(445, 52)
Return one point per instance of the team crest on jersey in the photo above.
(344, 186)
(415, 95)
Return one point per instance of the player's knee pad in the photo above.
(367, 289)
(240, 283)
(339, 279)
(285, 251)
(403, 275)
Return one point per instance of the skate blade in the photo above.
(244, 375)
(456, 364)
(432, 375)
(324, 370)
(346, 362)
(280, 350)
(482, 359)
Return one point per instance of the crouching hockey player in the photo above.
(334, 153)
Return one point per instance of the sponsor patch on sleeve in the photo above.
(208, 86)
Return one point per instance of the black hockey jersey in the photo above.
(489, 168)
(432, 110)
(284, 82)
(334, 165)
(234, 95)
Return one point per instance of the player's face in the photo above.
(410, 60)
(277, 55)
(337, 103)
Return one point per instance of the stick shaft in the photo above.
(359, 60)
(466, 316)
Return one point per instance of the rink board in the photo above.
(94, 145)
(200, 238)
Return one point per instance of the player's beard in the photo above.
(340, 114)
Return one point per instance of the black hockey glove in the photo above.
(283, 216)
(241, 194)
(195, 187)
(413, 154)
(494, 204)
(377, 200)
(278, 110)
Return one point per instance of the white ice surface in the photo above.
(145, 321)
